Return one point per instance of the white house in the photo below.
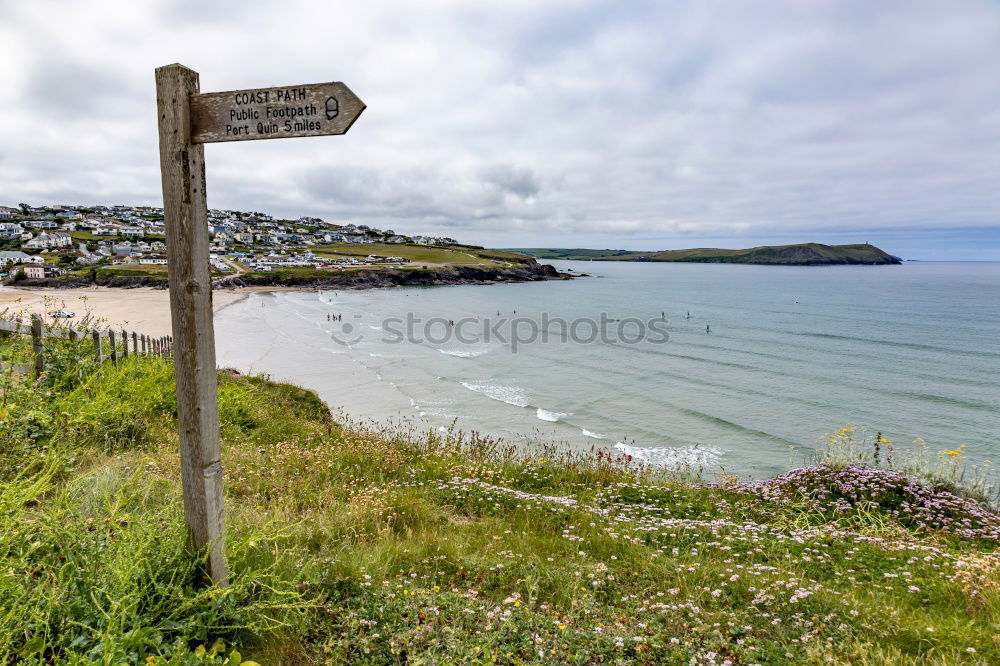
(49, 241)
(18, 257)
(10, 230)
(6, 213)
(42, 224)
(132, 232)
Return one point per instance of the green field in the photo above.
(421, 253)
(362, 543)
(800, 254)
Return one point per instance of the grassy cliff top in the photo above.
(802, 254)
(364, 543)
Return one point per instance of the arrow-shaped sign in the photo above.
(315, 109)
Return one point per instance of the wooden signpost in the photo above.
(187, 120)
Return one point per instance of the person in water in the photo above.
(708, 329)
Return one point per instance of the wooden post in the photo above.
(114, 347)
(143, 339)
(185, 212)
(124, 343)
(96, 335)
(135, 343)
(38, 343)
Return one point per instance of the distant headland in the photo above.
(802, 254)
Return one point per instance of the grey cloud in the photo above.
(520, 182)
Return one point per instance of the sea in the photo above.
(731, 368)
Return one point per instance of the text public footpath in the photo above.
(272, 119)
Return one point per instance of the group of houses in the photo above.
(121, 235)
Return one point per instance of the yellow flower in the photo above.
(150, 660)
(955, 453)
(517, 603)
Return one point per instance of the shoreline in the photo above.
(143, 309)
(143, 304)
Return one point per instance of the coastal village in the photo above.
(50, 241)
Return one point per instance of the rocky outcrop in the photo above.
(380, 278)
(347, 279)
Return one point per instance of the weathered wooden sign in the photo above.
(315, 109)
(187, 119)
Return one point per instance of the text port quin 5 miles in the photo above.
(316, 109)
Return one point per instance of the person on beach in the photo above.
(708, 329)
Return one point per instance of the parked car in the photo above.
(62, 313)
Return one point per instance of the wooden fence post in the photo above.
(185, 212)
(38, 343)
(96, 335)
(114, 347)
(143, 339)
(124, 343)
(135, 343)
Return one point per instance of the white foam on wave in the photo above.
(375, 328)
(587, 433)
(512, 395)
(463, 353)
(672, 456)
(550, 416)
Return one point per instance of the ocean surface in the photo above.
(724, 366)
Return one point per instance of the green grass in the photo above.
(420, 253)
(800, 254)
(366, 543)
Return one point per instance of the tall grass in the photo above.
(361, 542)
(948, 468)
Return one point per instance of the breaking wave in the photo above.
(672, 456)
(511, 395)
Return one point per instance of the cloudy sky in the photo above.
(641, 125)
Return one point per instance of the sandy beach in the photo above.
(143, 310)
